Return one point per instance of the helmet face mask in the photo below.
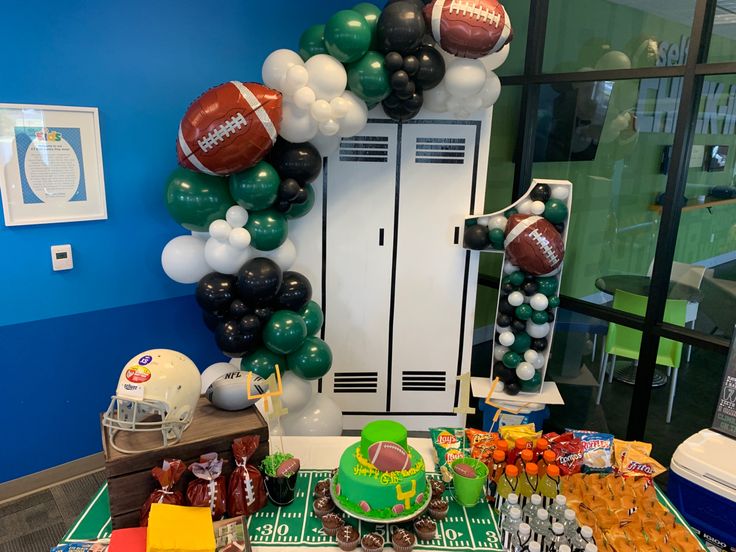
(157, 392)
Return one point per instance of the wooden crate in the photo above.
(129, 477)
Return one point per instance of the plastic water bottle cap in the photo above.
(513, 498)
(515, 512)
(570, 515)
(561, 500)
(586, 532)
(525, 529)
(536, 499)
(590, 547)
(558, 528)
(535, 547)
(542, 513)
(563, 548)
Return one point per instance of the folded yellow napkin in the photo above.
(180, 529)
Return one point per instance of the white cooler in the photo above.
(702, 485)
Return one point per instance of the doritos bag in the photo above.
(167, 475)
(569, 451)
(245, 491)
(208, 490)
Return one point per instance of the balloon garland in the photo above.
(249, 153)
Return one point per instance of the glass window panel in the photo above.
(607, 138)
(723, 40)
(616, 34)
(519, 14)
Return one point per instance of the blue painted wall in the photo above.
(64, 337)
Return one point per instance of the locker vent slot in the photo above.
(440, 150)
(423, 381)
(356, 382)
(364, 149)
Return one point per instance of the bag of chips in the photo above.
(525, 431)
(482, 444)
(597, 451)
(569, 451)
(209, 489)
(632, 459)
(449, 445)
(167, 475)
(245, 492)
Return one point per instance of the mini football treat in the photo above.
(331, 523)
(403, 540)
(426, 528)
(347, 538)
(438, 508)
(229, 128)
(323, 506)
(533, 244)
(469, 28)
(322, 488)
(438, 487)
(288, 467)
(388, 456)
(372, 542)
(465, 470)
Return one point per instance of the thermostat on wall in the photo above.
(61, 257)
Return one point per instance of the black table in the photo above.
(640, 285)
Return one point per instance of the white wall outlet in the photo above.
(61, 257)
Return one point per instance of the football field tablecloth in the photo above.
(464, 529)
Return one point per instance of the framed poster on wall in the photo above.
(50, 164)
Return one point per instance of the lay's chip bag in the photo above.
(449, 444)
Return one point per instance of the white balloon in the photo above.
(494, 61)
(320, 416)
(435, 99)
(236, 216)
(339, 107)
(485, 221)
(515, 298)
(321, 110)
(525, 207)
(239, 238)
(537, 331)
(204, 236)
(531, 356)
(474, 103)
(525, 371)
(304, 97)
(284, 255)
(225, 258)
(506, 339)
(183, 259)
(465, 77)
(499, 351)
(327, 76)
(356, 116)
(296, 392)
(509, 267)
(296, 77)
(214, 371)
(560, 192)
(297, 125)
(539, 362)
(499, 221)
(454, 104)
(539, 301)
(325, 144)
(491, 90)
(276, 65)
(220, 230)
(537, 207)
(329, 127)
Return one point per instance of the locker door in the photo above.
(360, 198)
(433, 311)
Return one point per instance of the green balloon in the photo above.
(510, 359)
(312, 360)
(268, 229)
(554, 302)
(521, 344)
(347, 36)
(369, 79)
(547, 285)
(312, 42)
(496, 236)
(371, 14)
(255, 188)
(516, 278)
(313, 317)
(523, 312)
(540, 317)
(300, 209)
(555, 211)
(263, 362)
(195, 200)
(284, 332)
(532, 385)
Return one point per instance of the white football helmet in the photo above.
(157, 391)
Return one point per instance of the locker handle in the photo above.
(457, 235)
(380, 237)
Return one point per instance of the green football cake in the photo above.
(381, 477)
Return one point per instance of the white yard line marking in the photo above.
(86, 511)
(470, 529)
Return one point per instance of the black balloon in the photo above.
(258, 281)
(238, 309)
(504, 320)
(301, 196)
(539, 344)
(215, 292)
(411, 64)
(399, 80)
(505, 307)
(231, 341)
(402, 110)
(210, 320)
(401, 27)
(518, 326)
(393, 61)
(302, 161)
(295, 291)
(541, 192)
(512, 388)
(550, 316)
(507, 288)
(560, 227)
(420, 3)
(282, 205)
(506, 375)
(529, 288)
(431, 68)
(263, 313)
(406, 93)
(250, 325)
(476, 237)
(288, 189)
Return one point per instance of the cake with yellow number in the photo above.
(381, 476)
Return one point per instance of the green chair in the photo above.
(626, 342)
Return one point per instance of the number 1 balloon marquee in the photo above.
(249, 152)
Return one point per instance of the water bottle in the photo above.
(581, 539)
(557, 537)
(570, 524)
(510, 526)
(535, 547)
(590, 547)
(520, 541)
(512, 500)
(541, 528)
(558, 507)
(564, 548)
(529, 512)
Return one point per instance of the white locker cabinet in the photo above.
(397, 288)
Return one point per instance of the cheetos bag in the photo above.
(209, 489)
(246, 493)
(167, 476)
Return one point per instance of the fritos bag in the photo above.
(209, 489)
(245, 491)
(632, 459)
(167, 475)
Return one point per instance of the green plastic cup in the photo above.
(468, 490)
